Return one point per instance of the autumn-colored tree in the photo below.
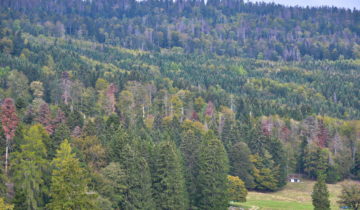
(9, 121)
(236, 189)
(322, 136)
(111, 101)
(91, 150)
(44, 117)
(5, 206)
(37, 89)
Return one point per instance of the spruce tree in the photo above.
(138, 181)
(29, 168)
(277, 152)
(68, 189)
(320, 194)
(240, 164)
(124, 150)
(112, 184)
(189, 148)
(213, 170)
(168, 178)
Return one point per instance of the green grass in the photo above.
(294, 196)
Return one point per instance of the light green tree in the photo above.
(29, 166)
(69, 182)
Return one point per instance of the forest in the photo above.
(159, 104)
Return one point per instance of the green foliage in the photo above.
(212, 177)
(264, 174)
(320, 194)
(316, 161)
(30, 166)
(202, 68)
(137, 195)
(236, 189)
(240, 163)
(168, 179)
(350, 196)
(68, 189)
(113, 184)
(189, 147)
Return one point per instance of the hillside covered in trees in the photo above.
(120, 104)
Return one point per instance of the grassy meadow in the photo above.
(295, 196)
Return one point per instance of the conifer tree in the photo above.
(137, 173)
(190, 143)
(240, 164)
(69, 182)
(213, 170)
(30, 166)
(277, 152)
(320, 194)
(138, 181)
(168, 179)
(113, 183)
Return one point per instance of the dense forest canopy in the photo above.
(173, 104)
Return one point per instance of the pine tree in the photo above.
(168, 178)
(69, 182)
(300, 165)
(264, 173)
(228, 134)
(277, 152)
(213, 170)
(240, 164)
(30, 166)
(320, 194)
(137, 172)
(113, 184)
(61, 132)
(138, 181)
(189, 148)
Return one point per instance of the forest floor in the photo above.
(294, 196)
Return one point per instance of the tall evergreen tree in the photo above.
(240, 164)
(277, 152)
(138, 181)
(168, 178)
(123, 150)
(189, 148)
(30, 166)
(69, 182)
(213, 170)
(113, 184)
(320, 194)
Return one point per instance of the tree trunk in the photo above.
(7, 155)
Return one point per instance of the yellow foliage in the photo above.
(4, 206)
(236, 189)
(149, 121)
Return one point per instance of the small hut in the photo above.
(294, 178)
